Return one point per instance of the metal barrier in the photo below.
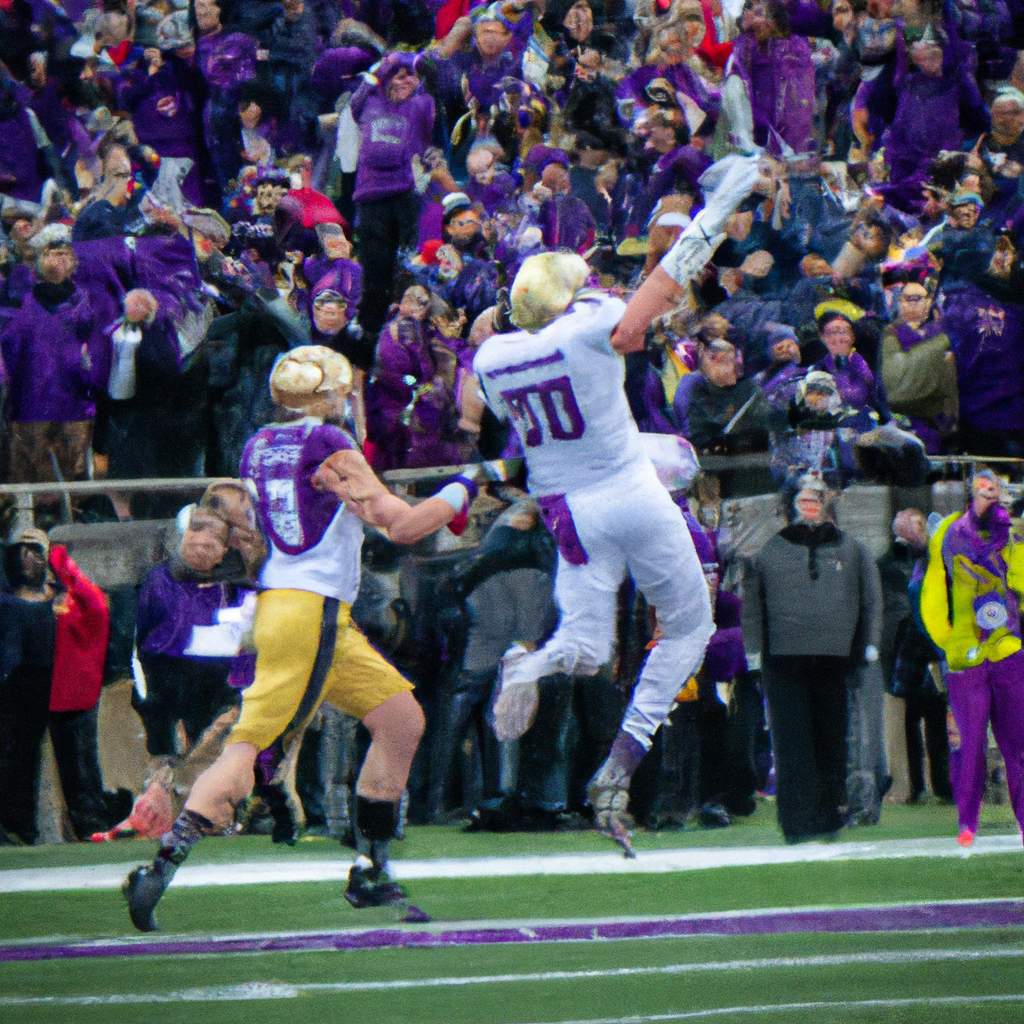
(405, 481)
(25, 495)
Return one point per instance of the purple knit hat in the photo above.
(392, 64)
(540, 156)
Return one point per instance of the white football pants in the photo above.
(629, 522)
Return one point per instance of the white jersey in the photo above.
(562, 388)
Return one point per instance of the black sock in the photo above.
(187, 830)
(376, 821)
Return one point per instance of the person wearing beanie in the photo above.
(314, 491)
(396, 123)
(970, 604)
(480, 50)
(781, 377)
(812, 609)
(462, 225)
(857, 384)
(918, 368)
(57, 363)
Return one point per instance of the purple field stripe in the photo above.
(1000, 914)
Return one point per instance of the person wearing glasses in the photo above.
(918, 368)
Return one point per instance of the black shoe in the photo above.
(714, 816)
(143, 889)
(363, 890)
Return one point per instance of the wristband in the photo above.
(456, 494)
(459, 492)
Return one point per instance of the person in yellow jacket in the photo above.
(970, 604)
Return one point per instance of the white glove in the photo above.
(870, 654)
(515, 707)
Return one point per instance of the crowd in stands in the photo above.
(190, 188)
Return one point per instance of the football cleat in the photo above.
(363, 890)
(143, 889)
(611, 818)
(517, 699)
(966, 838)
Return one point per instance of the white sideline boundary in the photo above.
(849, 1004)
(286, 869)
(260, 990)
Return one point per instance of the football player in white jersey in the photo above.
(559, 379)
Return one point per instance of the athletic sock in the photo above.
(626, 753)
(376, 823)
(187, 830)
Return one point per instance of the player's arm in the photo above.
(348, 475)
(693, 249)
(655, 297)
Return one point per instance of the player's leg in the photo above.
(364, 684)
(294, 633)
(664, 564)
(585, 594)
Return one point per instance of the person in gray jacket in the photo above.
(812, 608)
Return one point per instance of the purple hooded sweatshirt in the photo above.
(987, 337)
(165, 114)
(780, 80)
(932, 114)
(168, 610)
(43, 352)
(482, 77)
(391, 135)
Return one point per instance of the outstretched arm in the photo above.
(349, 476)
(667, 284)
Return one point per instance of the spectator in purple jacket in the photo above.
(185, 645)
(162, 93)
(57, 362)
(476, 56)
(776, 70)
(395, 122)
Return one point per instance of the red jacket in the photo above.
(715, 53)
(83, 628)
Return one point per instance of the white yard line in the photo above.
(848, 1004)
(110, 876)
(259, 990)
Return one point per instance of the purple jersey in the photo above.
(314, 542)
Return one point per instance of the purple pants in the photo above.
(994, 690)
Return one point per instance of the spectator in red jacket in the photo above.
(83, 628)
(53, 659)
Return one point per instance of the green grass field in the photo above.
(932, 975)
